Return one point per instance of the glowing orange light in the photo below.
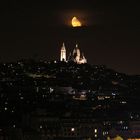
(75, 22)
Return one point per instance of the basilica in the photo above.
(76, 55)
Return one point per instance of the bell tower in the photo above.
(63, 53)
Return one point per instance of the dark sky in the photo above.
(111, 35)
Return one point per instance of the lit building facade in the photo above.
(63, 53)
(76, 55)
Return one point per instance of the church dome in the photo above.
(76, 55)
(76, 51)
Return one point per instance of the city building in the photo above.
(76, 55)
(63, 53)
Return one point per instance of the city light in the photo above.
(72, 129)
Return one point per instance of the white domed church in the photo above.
(76, 55)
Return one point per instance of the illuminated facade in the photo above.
(63, 53)
(75, 56)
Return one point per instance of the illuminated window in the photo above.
(72, 129)
(95, 130)
(5, 108)
(40, 126)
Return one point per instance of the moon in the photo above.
(75, 22)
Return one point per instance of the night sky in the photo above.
(37, 29)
